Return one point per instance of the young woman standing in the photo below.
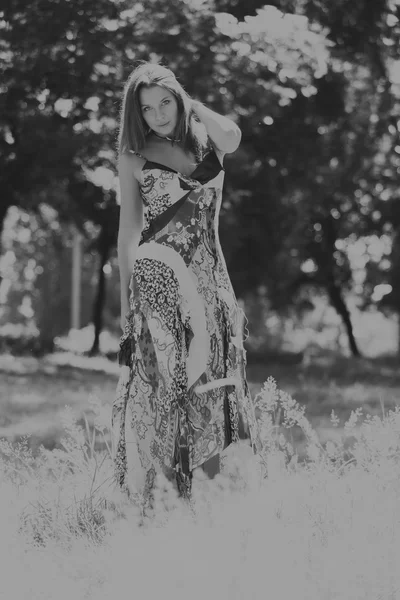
(182, 397)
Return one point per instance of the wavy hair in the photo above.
(132, 127)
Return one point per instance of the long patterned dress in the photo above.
(182, 395)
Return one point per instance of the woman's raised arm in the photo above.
(224, 133)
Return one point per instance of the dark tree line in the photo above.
(317, 105)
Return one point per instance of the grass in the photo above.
(331, 382)
(34, 392)
(325, 528)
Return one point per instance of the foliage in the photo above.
(312, 85)
(69, 487)
(37, 264)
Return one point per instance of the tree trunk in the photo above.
(339, 304)
(394, 302)
(76, 277)
(324, 257)
(105, 245)
(3, 213)
(396, 318)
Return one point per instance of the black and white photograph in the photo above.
(199, 299)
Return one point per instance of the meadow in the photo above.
(34, 392)
(315, 517)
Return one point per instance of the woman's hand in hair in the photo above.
(224, 132)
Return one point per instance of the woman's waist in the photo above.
(201, 252)
(205, 265)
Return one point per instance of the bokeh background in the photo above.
(310, 222)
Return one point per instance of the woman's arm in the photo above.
(224, 133)
(130, 227)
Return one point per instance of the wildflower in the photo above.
(334, 419)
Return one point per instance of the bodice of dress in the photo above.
(180, 210)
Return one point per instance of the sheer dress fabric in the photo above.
(182, 397)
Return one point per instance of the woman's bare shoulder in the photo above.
(131, 162)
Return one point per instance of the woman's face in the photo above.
(159, 109)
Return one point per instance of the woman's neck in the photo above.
(165, 137)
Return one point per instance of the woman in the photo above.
(182, 397)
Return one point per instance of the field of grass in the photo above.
(33, 392)
(323, 529)
(331, 382)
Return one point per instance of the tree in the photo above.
(308, 83)
(322, 154)
(51, 126)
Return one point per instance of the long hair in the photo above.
(133, 128)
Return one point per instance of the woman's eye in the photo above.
(167, 101)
